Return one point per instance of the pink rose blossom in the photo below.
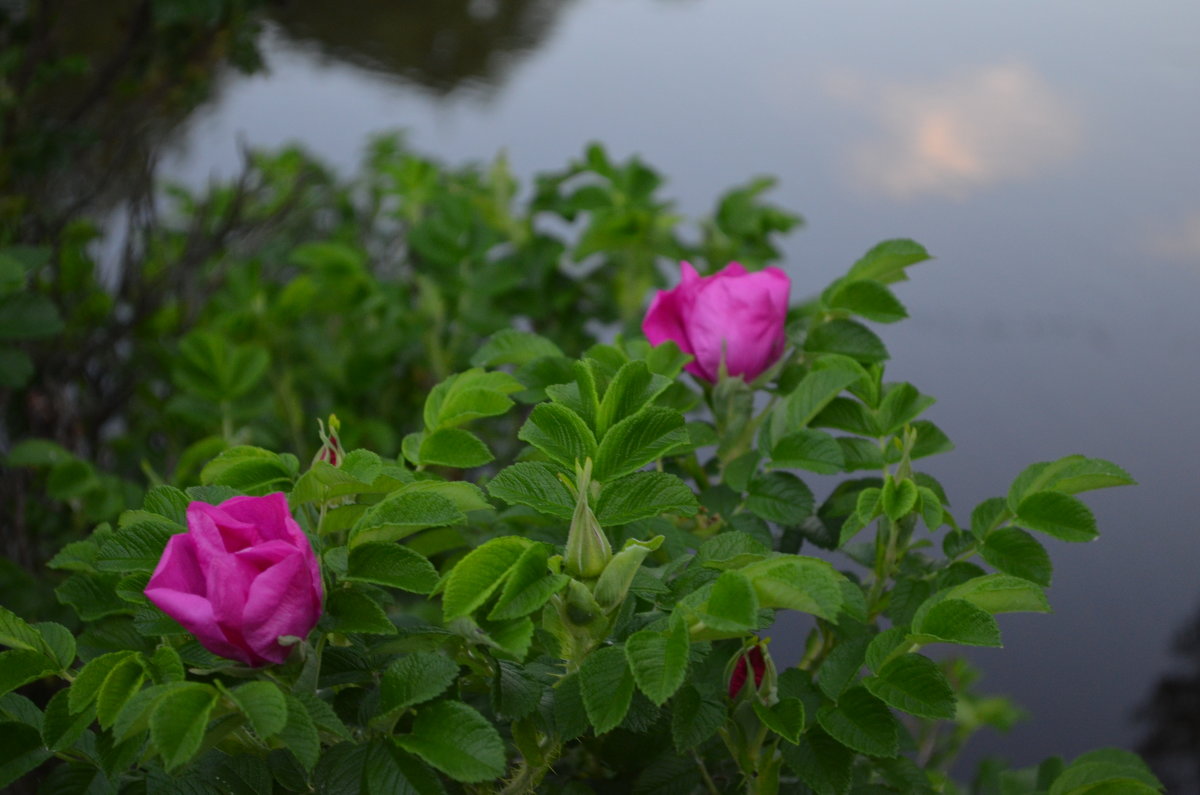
(733, 313)
(241, 576)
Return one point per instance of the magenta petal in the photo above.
(664, 322)
(270, 515)
(178, 569)
(280, 603)
(215, 528)
(195, 614)
(741, 318)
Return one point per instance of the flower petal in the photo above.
(280, 602)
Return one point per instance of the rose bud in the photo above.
(242, 575)
(733, 315)
(750, 661)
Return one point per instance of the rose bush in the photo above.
(242, 576)
(733, 315)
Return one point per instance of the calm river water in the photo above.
(1045, 152)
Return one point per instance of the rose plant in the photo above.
(587, 613)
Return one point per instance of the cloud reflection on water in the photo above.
(995, 124)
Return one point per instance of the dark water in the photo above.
(1045, 153)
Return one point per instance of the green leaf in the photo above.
(510, 346)
(913, 683)
(607, 685)
(898, 498)
(731, 550)
(1069, 475)
(458, 741)
(883, 645)
(842, 665)
(21, 666)
(354, 611)
(136, 547)
(534, 484)
(780, 497)
(415, 679)
(249, 470)
(168, 502)
(932, 513)
(122, 682)
(20, 751)
(60, 727)
(516, 691)
(1057, 514)
(867, 298)
(930, 440)
(1002, 593)
(166, 665)
(807, 400)
(25, 316)
(732, 604)
(135, 716)
(392, 565)
(96, 595)
(36, 453)
(570, 715)
(644, 495)
(813, 450)
(264, 705)
(1015, 552)
(15, 632)
(560, 433)
(479, 574)
(467, 396)
(1107, 770)
(529, 585)
(846, 338)
(860, 454)
(630, 389)
(694, 718)
(299, 734)
(861, 721)
(658, 660)
(886, 262)
(387, 769)
(821, 762)
(901, 405)
(454, 447)
(178, 722)
(91, 677)
(404, 512)
(956, 621)
(635, 441)
(785, 718)
(795, 582)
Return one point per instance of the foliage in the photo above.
(543, 569)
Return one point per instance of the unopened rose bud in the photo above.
(754, 661)
(588, 550)
(331, 451)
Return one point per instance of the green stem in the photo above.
(709, 784)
